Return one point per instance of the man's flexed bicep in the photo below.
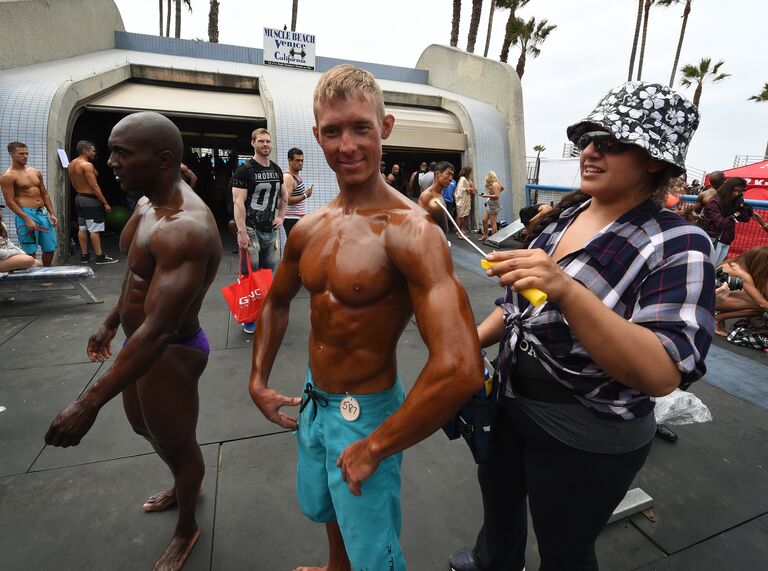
(454, 368)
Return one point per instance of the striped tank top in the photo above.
(299, 209)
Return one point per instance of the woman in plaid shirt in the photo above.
(629, 317)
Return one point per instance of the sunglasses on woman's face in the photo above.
(604, 142)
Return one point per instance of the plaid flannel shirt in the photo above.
(649, 266)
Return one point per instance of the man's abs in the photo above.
(353, 349)
(28, 197)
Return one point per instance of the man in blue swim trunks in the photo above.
(173, 250)
(25, 194)
(361, 257)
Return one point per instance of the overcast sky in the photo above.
(585, 56)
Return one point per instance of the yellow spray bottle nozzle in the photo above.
(535, 296)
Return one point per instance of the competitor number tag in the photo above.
(350, 408)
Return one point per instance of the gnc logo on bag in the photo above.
(253, 296)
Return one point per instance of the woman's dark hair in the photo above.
(465, 172)
(3, 231)
(755, 262)
(727, 202)
(570, 199)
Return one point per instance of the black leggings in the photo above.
(571, 493)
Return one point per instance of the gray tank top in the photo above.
(574, 424)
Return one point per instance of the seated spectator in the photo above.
(752, 268)
(11, 256)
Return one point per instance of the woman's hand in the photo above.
(524, 269)
(735, 270)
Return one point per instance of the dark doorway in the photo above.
(217, 137)
(410, 159)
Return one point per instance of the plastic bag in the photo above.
(681, 407)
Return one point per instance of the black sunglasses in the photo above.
(604, 142)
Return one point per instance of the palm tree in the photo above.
(686, 11)
(495, 4)
(188, 4)
(455, 23)
(529, 36)
(474, 23)
(539, 149)
(701, 74)
(646, 14)
(634, 43)
(160, 2)
(213, 22)
(763, 97)
(168, 20)
(512, 5)
(294, 13)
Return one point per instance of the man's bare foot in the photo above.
(176, 553)
(160, 501)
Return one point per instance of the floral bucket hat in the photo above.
(648, 115)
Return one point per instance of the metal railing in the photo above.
(744, 160)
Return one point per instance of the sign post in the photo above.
(289, 49)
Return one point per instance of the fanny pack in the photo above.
(474, 421)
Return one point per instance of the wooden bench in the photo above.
(56, 278)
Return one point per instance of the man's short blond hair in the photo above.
(346, 80)
(259, 131)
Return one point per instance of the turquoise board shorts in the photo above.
(370, 523)
(44, 235)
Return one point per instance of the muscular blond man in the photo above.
(90, 203)
(370, 260)
(25, 194)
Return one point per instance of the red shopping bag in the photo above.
(246, 296)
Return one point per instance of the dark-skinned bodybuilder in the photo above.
(173, 250)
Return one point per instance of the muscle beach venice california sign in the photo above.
(287, 48)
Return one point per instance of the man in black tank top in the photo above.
(260, 200)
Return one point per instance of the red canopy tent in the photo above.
(749, 234)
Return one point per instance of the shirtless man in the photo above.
(25, 194)
(173, 249)
(89, 202)
(188, 176)
(429, 198)
(370, 259)
(716, 180)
